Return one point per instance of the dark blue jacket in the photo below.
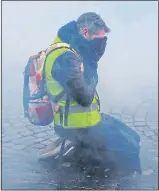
(81, 86)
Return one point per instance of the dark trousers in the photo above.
(110, 139)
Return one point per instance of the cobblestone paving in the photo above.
(22, 170)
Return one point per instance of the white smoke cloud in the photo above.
(130, 64)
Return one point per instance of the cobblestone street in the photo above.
(21, 168)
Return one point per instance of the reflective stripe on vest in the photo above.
(79, 109)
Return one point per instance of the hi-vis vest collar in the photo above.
(64, 45)
(60, 45)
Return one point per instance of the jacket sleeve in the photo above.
(67, 71)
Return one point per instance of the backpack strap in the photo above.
(26, 92)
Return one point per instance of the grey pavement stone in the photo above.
(17, 141)
(6, 125)
(6, 146)
(28, 141)
(40, 135)
(18, 136)
(51, 139)
(38, 140)
(19, 125)
(50, 131)
(51, 136)
(19, 147)
(149, 133)
(139, 124)
(26, 132)
(142, 128)
(7, 140)
(13, 133)
(4, 119)
(156, 131)
(37, 146)
(151, 127)
(127, 120)
(154, 138)
(30, 127)
(47, 142)
(39, 130)
(25, 121)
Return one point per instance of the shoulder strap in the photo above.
(26, 92)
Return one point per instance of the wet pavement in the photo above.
(21, 168)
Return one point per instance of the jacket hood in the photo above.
(68, 32)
